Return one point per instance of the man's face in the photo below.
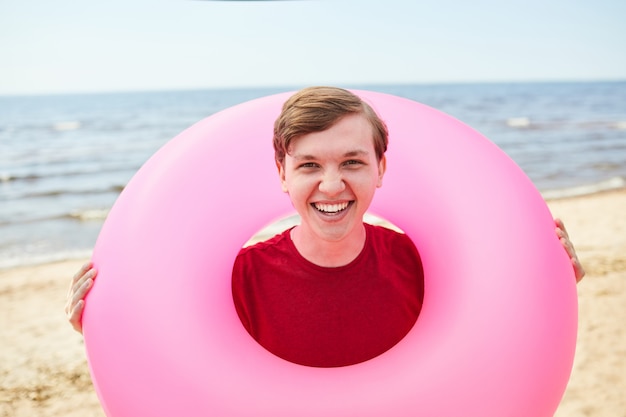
(331, 177)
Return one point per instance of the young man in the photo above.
(332, 291)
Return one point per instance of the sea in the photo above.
(64, 159)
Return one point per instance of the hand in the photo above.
(79, 287)
(561, 232)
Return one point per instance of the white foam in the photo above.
(614, 183)
(89, 215)
(619, 125)
(518, 122)
(44, 258)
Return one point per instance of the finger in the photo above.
(560, 228)
(75, 305)
(78, 275)
(78, 294)
(76, 316)
(569, 247)
(81, 291)
(80, 280)
(579, 271)
(561, 232)
(83, 269)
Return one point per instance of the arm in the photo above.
(561, 232)
(79, 287)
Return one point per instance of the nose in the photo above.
(331, 183)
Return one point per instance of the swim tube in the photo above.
(496, 335)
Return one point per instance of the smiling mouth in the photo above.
(331, 208)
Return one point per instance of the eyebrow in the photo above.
(349, 154)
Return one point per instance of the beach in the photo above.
(44, 372)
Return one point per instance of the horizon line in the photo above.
(296, 86)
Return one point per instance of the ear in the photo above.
(281, 175)
(382, 167)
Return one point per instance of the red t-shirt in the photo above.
(328, 317)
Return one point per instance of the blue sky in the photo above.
(129, 45)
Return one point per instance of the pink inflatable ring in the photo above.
(496, 335)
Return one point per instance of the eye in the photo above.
(353, 162)
(308, 165)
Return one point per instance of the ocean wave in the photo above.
(116, 189)
(89, 215)
(41, 126)
(7, 177)
(9, 261)
(80, 215)
(614, 183)
(526, 122)
(518, 122)
(97, 124)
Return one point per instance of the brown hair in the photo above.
(315, 109)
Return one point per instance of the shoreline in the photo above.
(43, 368)
(617, 185)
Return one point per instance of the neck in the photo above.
(328, 253)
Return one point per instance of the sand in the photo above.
(43, 370)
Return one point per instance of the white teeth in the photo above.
(331, 208)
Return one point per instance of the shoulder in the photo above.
(273, 248)
(256, 263)
(390, 243)
(379, 234)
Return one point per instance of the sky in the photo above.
(75, 46)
